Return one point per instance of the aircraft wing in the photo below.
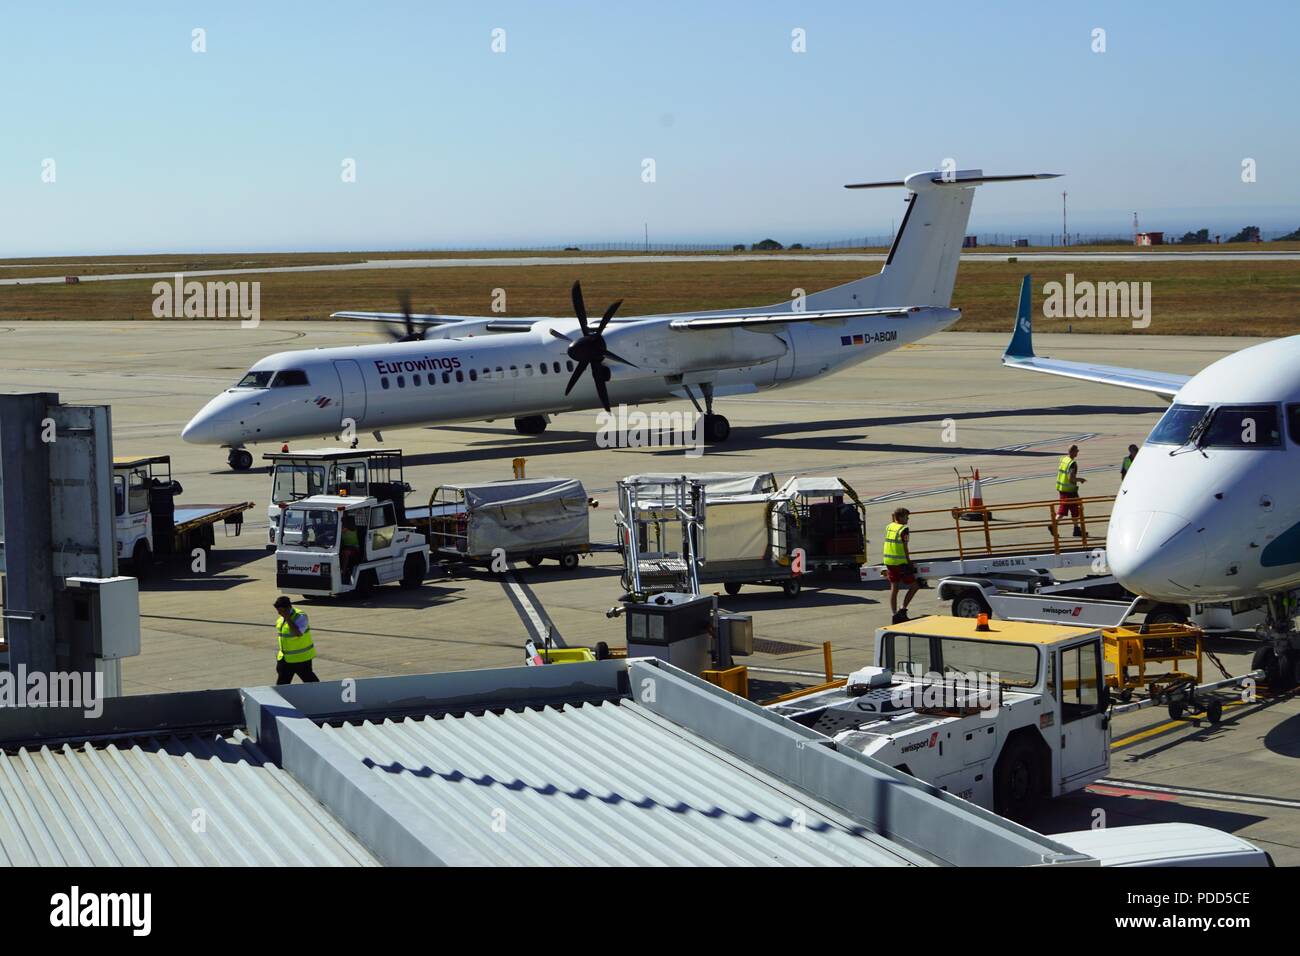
(751, 320)
(1020, 354)
(432, 321)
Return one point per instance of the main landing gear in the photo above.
(1279, 658)
(240, 459)
(716, 427)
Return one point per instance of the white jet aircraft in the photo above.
(1209, 512)
(449, 368)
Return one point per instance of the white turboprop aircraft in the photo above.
(1209, 511)
(449, 368)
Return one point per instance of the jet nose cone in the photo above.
(196, 431)
(1155, 554)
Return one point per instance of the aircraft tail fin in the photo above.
(921, 267)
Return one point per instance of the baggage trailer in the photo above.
(354, 472)
(679, 533)
(331, 545)
(148, 522)
(528, 519)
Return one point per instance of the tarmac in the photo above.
(895, 429)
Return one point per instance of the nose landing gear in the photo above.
(240, 459)
(1279, 658)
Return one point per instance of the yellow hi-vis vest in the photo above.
(895, 548)
(294, 648)
(1064, 483)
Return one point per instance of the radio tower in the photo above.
(1065, 232)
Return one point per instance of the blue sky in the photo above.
(159, 148)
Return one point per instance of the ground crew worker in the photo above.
(350, 550)
(898, 564)
(1067, 486)
(295, 648)
(1128, 462)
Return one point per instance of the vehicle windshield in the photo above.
(311, 528)
(1011, 665)
(291, 482)
(256, 379)
(1243, 426)
(1175, 427)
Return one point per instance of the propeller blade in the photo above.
(580, 307)
(559, 335)
(405, 300)
(573, 379)
(618, 358)
(609, 314)
(600, 389)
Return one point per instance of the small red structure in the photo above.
(1149, 239)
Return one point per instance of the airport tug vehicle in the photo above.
(337, 544)
(149, 523)
(1002, 713)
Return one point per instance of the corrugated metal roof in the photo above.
(135, 803)
(601, 784)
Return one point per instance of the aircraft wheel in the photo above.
(1286, 671)
(531, 424)
(240, 459)
(716, 428)
(1265, 660)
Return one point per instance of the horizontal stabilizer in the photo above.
(743, 320)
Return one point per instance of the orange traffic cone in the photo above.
(977, 510)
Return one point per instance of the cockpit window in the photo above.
(289, 376)
(1243, 426)
(256, 379)
(1175, 427)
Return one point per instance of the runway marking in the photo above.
(1222, 795)
(1164, 728)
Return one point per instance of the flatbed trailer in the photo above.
(150, 524)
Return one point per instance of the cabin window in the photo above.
(460, 376)
(401, 381)
(446, 377)
(415, 379)
(514, 371)
(569, 365)
(473, 375)
(528, 370)
(557, 368)
(541, 367)
(501, 373)
(289, 377)
(384, 381)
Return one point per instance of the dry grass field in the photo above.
(1248, 297)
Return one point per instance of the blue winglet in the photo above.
(1022, 337)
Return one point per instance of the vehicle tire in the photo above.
(413, 571)
(1265, 660)
(534, 562)
(1167, 614)
(1126, 695)
(732, 587)
(568, 561)
(602, 651)
(791, 587)
(970, 603)
(365, 584)
(1175, 709)
(1018, 779)
(1214, 710)
(240, 459)
(141, 559)
(716, 428)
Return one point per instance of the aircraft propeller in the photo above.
(591, 348)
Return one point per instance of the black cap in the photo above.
(283, 601)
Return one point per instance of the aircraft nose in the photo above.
(1155, 553)
(198, 431)
(208, 426)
